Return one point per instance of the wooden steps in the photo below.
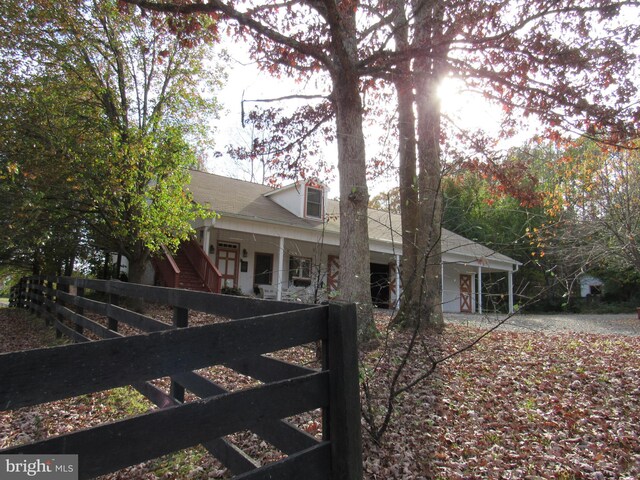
(189, 278)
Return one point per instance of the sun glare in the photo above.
(466, 108)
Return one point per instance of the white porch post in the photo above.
(206, 239)
(398, 287)
(510, 283)
(441, 282)
(280, 270)
(207, 226)
(479, 289)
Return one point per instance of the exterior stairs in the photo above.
(190, 268)
(189, 278)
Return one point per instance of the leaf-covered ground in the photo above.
(520, 405)
(517, 405)
(564, 406)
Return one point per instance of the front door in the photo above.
(227, 263)
(465, 294)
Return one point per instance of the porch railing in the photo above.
(167, 268)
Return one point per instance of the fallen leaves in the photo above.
(21, 331)
(517, 405)
(521, 405)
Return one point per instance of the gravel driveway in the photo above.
(605, 324)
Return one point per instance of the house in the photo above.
(590, 286)
(284, 244)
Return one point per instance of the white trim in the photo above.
(479, 289)
(398, 284)
(510, 283)
(320, 190)
(206, 239)
(280, 269)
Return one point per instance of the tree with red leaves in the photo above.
(301, 38)
(569, 64)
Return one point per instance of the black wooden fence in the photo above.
(257, 327)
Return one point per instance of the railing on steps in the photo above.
(203, 265)
(167, 268)
(169, 271)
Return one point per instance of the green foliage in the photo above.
(137, 188)
(621, 288)
(128, 401)
(575, 210)
(473, 210)
(232, 291)
(8, 278)
(476, 209)
(181, 464)
(102, 107)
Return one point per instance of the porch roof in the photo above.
(249, 201)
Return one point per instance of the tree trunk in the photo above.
(354, 282)
(354, 275)
(429, 242)
(138, 264)
(408, 167)
(421, 216)
(420, 178)
(68, 265)
(107, 266)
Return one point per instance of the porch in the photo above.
(477, 288)
(288, 268)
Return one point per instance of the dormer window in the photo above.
(314, 198)
(303, 199)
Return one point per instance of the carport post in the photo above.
(510, 283)
(279, 272)
(479, 289)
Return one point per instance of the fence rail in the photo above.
(256, 328)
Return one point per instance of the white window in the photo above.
(299, 271)
(314, 202)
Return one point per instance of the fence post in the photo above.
(19, 298)
(344, 396)
(12, 296)
(79, 310)
(47, 297)
(31, 299)
(21, 293)
(27, 292)
(61, 286)
(112, 299)
(39, 295)
(29, 295)
(24, 285)
(47, 301)
(180, 320)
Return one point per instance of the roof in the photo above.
(250, 201)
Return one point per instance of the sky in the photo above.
(244, 80)
(468, 109)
